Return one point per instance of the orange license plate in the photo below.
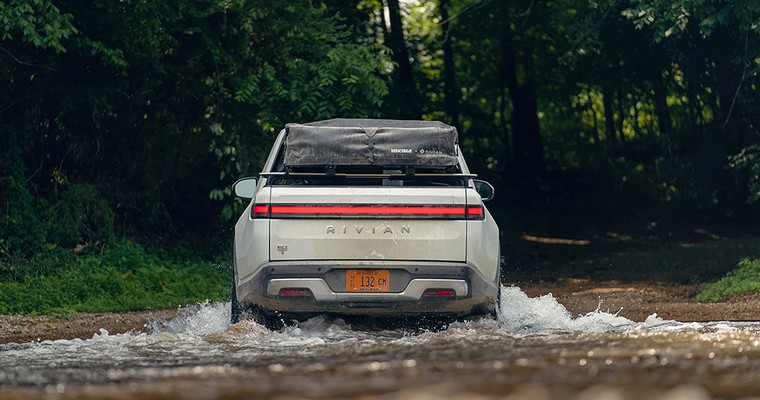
(367, 281)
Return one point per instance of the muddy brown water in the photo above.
(535, 350)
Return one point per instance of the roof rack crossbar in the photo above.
(367, 175)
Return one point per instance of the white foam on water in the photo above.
(202, 335)
(320, 326)
(200, 320)
(206, 327)
(519, 313)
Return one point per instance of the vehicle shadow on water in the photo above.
(408, 324)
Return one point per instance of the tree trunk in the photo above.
(661, 106)
(637, 133)
(404, 92)
(609, 114)
(450, 96)
(526, 135)
(726, 82)
(696, 116)
(507, 158)
(621, 113)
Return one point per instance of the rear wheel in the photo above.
(235, 310)
(497, 305)
(238, 313)
(272, 322)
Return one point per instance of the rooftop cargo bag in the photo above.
(368, 142)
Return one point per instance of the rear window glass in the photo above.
(418, 177)
(412, 181)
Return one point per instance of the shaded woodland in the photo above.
(131, 119)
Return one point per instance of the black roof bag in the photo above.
(371, 142)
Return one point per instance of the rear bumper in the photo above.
(323, 293)
(409, 282)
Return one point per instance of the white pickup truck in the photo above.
(365, 217)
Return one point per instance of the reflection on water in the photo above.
(535, 350)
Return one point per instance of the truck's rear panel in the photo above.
(369, 223)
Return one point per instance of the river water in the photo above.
(535, 350)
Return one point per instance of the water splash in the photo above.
(519, 313)
(200, 319)
(201, 339)
(321, 326)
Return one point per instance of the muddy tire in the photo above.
(493, 310)
(239, 313)
(497, 306)
(235, 311)
(272, 322)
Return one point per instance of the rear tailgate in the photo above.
(368, 223)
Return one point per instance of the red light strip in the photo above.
(367, 210)
(439, 292)
(295, 292)
(475, 213)
(260, 209)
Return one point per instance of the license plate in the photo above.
(367, 280)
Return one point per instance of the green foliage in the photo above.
(157, 107)
(671, 18)
(744, 279)
(345, 81)
(20, 230)
(76, 215)
(305, 66)
(134, 117)
(79, 216)
(749, 160)
(126, 277)
(37, 22)
(318, 71)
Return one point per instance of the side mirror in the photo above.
(484, 189)
(245, 188)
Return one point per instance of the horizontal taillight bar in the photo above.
(284, 211)
(260, 211)
(295, 292)
(440, 293)
(475, 212)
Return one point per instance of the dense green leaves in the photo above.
(132, 118)
(664, 90)
(36, 22)
(748, 160)
(119, 118)
(673, 18)
(742, 280)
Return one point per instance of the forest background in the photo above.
(123, 124)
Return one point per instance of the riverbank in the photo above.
(633, 300)
(22, 329)
(634, 273)
(637, 300)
